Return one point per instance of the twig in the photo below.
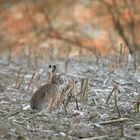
(97, 138)
(75, 75)
(10, 115)
(36, 115)
(120, 120)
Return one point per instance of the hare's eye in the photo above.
(60, 80)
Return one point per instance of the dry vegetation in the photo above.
(100, 99)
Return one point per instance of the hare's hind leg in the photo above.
(35, 104)
(39, 107)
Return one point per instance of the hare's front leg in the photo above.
(51, 104)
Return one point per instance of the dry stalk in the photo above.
(36, 59)
(84, 89)
(10, 55)
(114, 89)
(114, 92)
(121, 55)
(17, 79)
(116, 102)
(77, 106)
(74, 93)
(65, 96)
(62, 100)
(61, 97)
(94, 101)
(97, 54)
(74, 87)
(126, 58)
(125, 55)
(136, 105)
(114, 62)
(19, 85)
(136, 61)
(66, 64)
(117, 62)
(65, 107)
(122, 131)
(29, 56)
(31, 81)
(69, 96)
(121, 49)
(37, 79)
(111, 64)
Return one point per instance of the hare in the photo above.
(48, 93)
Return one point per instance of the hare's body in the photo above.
(47, 95)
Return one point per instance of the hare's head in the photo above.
(53, 78)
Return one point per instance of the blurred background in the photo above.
(64, 28)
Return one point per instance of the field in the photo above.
(101, 101)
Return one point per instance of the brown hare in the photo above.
(48, 93)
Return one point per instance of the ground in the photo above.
(93, 117)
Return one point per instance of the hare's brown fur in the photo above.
(48, 93)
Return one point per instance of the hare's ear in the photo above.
(54, 69)
(50, 68)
